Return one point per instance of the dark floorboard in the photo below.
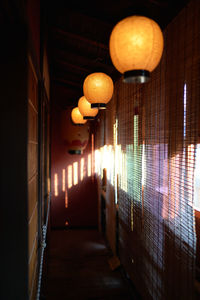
(77, 268)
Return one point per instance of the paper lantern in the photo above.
(136, 46)
(75, 138)
(98, 89)
(85, 109)
(76, 116)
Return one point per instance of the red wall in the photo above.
(82, 197)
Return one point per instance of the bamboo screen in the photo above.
(152, 163)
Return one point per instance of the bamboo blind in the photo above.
(158, 131)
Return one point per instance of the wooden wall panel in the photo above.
(32, 195)
(32, 177)
(33, 229)
(32, 125)
(32, 266)
(32, 159)
(19, 135)
(32, 87)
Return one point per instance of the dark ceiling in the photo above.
(79, 37)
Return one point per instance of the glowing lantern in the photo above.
(77, 117)
(75, 138)
(98, 89)
(136, 46)
(85, 109)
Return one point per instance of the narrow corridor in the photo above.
(77, 268)
(101, 150)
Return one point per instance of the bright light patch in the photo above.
(123, 172)
(49, 185)
(69, 175)
(134, 165)
(115, 135)
(104, 159)
(197, 179)
(75, 170)
(56, 184)
(143, 164)
(63, 180)
(82, 168)
(117, 163)
(109, 155)
(185, 109)
(97, 162)
(190, 166)
(118, 157)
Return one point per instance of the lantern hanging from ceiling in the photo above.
(85, 109)
(75, 138)
(77, 117)
(136, 46)
(98, 89)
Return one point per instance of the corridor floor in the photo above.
(77, 268)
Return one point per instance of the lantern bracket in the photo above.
(79, 152)
(88, 118)
(136, 76)
(98, 105)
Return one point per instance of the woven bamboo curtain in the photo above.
(158, 137)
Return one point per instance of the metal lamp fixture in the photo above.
(98, 89)
(136, 46)
(76, 116)
(85, 109)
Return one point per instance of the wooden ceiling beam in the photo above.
(70, 66)
(68, 83)
(81, 39)
(83, 60)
